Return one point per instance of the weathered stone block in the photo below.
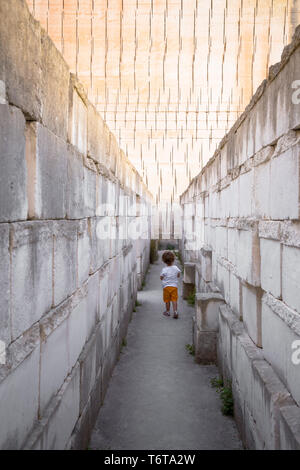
(78, 330)
(268, 395)
(93, 303)
(187, 290)
(206, 347)
(21, 74)
(104, 279)
(248, 257)
(235, 293)
(5, 334)
(290, 276)
(222, 280)
(63, 419)
(20, 393)
(100, 233)
(13, 176)
(251, 312)
(87, 371)
(75, 199)
(84, 251)
(262, 189)
(280, 328)
(95, 138)
(270, 251)
(32, 245)
(289, 427)
(189, 273)
(54, 363)
(78, 120)
(55, 77)
(207, 311)
(48, 176)
(284, 198)
(246, 187)
(65, 260)
(206, 264)
(89, 192)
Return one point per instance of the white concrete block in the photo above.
(50, 181)
(104, 277)
(280, 329)
(221, 242)
(189, 273)
(77, 331)
(32, 247)
(289, 428)
(88, 371)
(251, 312)
(89, 192)
(246, 184)
(234, 198)
(79, 123)
(206, 264)
(13, 176)
(235, 293)
(65, 415)
(262, 189)
(233, 239)
(54, 363)
(222, 281)
(84, 251)
(93, 306)
(19, 395)
(248, 257)
(207, 311)
(268, 394)
(75, 195)
(270, 271)
(65, 260)
(284, 197)
(5, 333)
(291, 276)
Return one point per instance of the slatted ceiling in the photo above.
(170, 77)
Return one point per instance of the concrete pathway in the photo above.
(158, 397)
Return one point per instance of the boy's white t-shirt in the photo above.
(170, 278)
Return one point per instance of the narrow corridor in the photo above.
(158, 397)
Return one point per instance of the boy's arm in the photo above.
(161, 278)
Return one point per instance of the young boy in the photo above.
(169, 277)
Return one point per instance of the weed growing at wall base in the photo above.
(225, 392)
(191, 298)
(190, 348)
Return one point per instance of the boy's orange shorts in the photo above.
(170, 294)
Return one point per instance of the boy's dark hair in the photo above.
(168, 257)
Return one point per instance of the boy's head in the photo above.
(168, 257)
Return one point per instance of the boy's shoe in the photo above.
(166, 314)
(175, 315)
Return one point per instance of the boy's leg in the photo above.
(167, 311)
(174, 302)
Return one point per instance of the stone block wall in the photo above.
(242, 231)
(74, 244)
